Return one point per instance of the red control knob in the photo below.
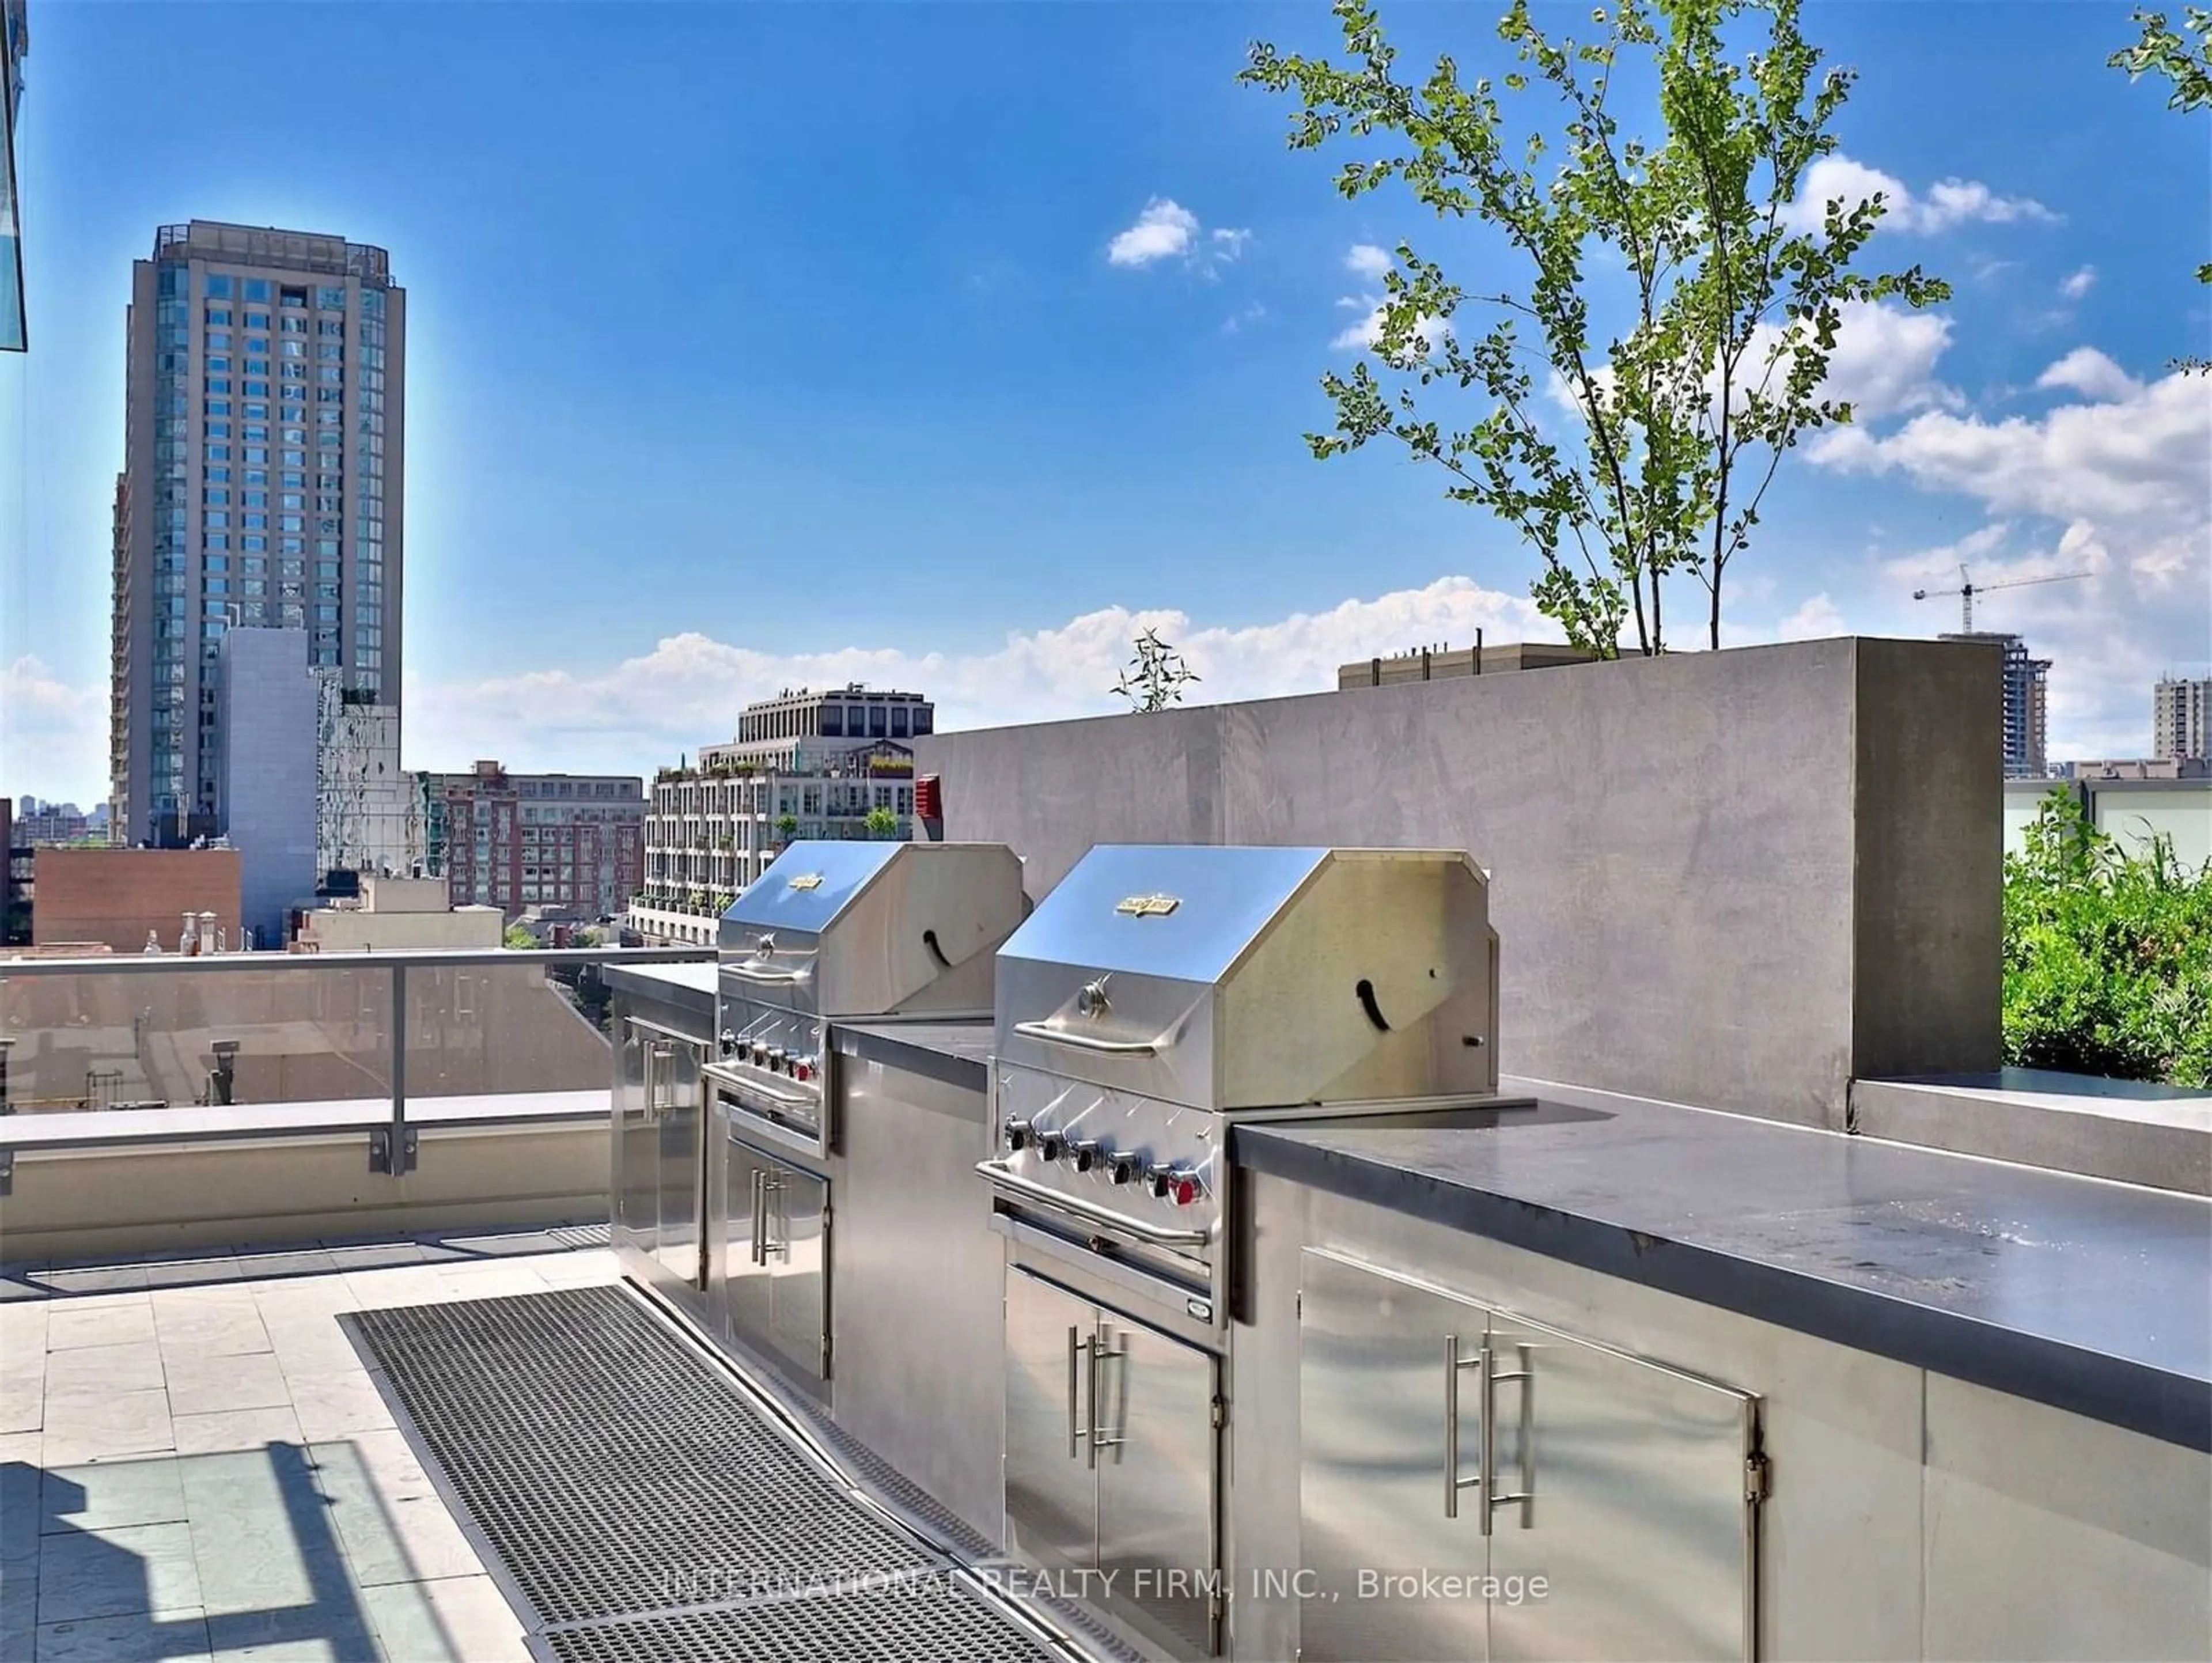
(1182, 1191)
(802, 1071)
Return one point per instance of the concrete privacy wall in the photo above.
(1735, 879)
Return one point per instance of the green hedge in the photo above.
(2107, 954)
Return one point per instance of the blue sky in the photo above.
(760, 344)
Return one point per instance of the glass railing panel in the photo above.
(293, 1033)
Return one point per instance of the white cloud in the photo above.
(2120, 488)
(2087, 371)
(1368, 261)
(54, 735)
(1372, 263)
(1884, 359)
(1948, 203)
(1816, 620)
(2141, 458)
(1883, 363)
(1237, 320)
(685, 693)
(1167, 230)
(2078, 283)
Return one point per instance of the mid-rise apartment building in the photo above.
(513, 841)
(805, 764)
(2024, 711)
(262, 485)
(804, 728)
(2181, 718)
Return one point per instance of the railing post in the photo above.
(7, 1153)
(391, 1149)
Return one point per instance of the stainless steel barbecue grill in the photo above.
(849, 931)
(1159, 995)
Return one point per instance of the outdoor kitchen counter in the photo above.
(2087, 1295)
(687, 988)
(957, 1053)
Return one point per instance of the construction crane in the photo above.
(1968, 589)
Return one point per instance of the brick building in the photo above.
(513, 841)
(115, 897)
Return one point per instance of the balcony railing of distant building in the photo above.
(104, 1052)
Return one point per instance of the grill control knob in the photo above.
(729, 1043)
(774, 1059)
(1123, 1167)
(1017, 1134)
(1157, 1176)
(1182, 1188)
(1050, 1144)
(802, 1070)
(1086, 1151)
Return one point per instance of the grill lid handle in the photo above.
(745, 972)
(1078, 1041)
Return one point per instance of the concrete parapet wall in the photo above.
(1731, 878)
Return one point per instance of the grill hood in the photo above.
(1232, 978)
(872, 929)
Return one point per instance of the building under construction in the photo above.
(2024, 757)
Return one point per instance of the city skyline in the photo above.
(1009, 386)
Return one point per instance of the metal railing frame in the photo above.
(392, 1147)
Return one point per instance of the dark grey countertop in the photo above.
(958, 1053)
(2091, 1296)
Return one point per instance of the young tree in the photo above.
(1729, 300)
(2184, 59)
(1155, 675)
(882, 824)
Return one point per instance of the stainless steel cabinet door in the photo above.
(744, 1271)
(1388, 1432)
(796, 1244)
(682, 1126)
(1052, 1478)
(637, 1149)
(1154, 1426)
(1636, 1514)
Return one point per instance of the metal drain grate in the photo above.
(612, 1471)
(935, 1619)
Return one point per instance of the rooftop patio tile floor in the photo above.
(201, 1469)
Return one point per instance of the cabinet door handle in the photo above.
(1453, 1483)
(1108, 1430)
(759, 1242)
(1076, 1428)
(1492, 1377)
